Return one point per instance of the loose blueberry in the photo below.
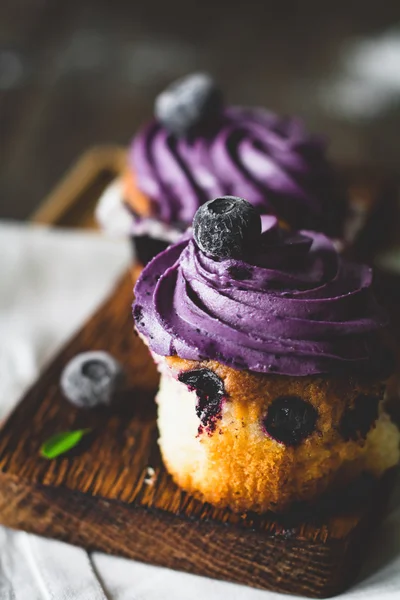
(226, 227)
(187, 103)
(210, 392)
(91, 379)
(290, 420)
(358, 420)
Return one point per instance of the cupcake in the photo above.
(197, 148)
(272, 361)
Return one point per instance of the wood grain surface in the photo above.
(113, 494)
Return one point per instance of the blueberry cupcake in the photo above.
(196, 148)
(272, 361)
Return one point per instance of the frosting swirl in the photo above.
(295, 308)
(251, 153)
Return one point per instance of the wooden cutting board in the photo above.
(113, 494)
(73, 200)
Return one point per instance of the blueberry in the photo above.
(91, 378)
(226, 227)
(187, 103)
(210, 392)
(138, 314)
(290, 420)
(358, 420)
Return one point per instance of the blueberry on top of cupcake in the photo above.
(188, 104)
(225, 227)
(270, 302)
(197, 148)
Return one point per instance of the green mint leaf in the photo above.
(62, 442)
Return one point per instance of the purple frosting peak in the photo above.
(293, 308)
(251, 153)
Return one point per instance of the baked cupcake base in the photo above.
(115, 217)
(228, 458)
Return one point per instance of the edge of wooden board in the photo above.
(78, 178)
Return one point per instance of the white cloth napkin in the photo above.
(40, 273)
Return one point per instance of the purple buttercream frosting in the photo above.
(251, 153)
(293, 308)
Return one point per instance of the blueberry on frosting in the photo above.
(226, 227)
(187, 103)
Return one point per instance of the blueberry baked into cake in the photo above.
(197, 148)
(272, 358)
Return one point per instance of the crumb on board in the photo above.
(151, 476)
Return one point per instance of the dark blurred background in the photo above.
(82, 72)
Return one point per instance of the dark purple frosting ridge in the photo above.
(295, 308)
(251, 153)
